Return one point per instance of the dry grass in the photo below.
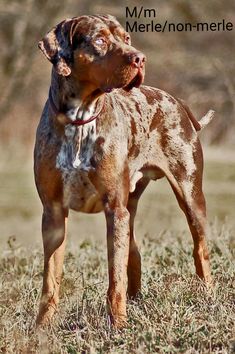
(175, 312)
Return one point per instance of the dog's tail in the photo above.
(202, 123)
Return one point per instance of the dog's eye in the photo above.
(100, 41)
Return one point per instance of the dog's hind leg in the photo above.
(188, 191)
(53, 230)
(134, 261)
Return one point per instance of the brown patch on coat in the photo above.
(151, 95)
(158, 116)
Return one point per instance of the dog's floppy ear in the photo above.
(57, 49)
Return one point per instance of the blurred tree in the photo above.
(197, 66)
(20, 24)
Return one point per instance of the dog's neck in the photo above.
(71, 104)
(74, 100)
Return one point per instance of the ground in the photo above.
(175, 312)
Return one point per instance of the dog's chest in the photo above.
(79, 193)
(74, 162)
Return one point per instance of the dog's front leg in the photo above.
(53, 231)
(117, 219)
(111, 179)
(134, 262)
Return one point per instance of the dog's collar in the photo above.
(76, 122)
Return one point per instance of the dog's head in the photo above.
(95, 50)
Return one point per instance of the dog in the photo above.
(101, 138)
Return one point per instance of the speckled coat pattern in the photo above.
(139, 133)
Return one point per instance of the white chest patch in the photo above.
(77, 147)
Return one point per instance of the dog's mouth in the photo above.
(136, 81)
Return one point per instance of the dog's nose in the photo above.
(137, 59)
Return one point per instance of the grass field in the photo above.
(174, 314)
